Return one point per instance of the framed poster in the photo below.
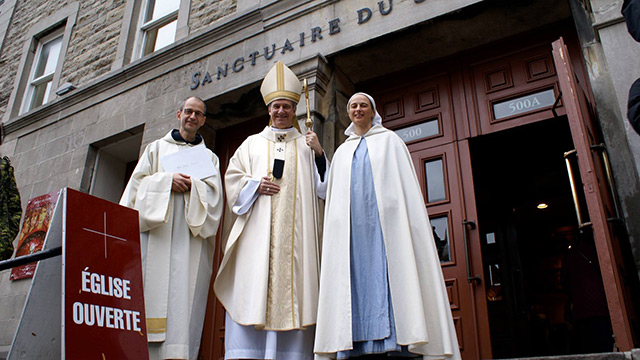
(35, 225)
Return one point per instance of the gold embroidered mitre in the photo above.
(280, 83)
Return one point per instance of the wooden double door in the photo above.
(440, 114)
(442, 117)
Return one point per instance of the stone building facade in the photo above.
(449, 64)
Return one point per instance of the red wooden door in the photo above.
(601, 214)
(423, 115)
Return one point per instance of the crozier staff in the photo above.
(381, 285)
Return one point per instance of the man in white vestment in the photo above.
(179, 218)
(381, 288)
(268, 279)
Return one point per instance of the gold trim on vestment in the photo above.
(293, 238)
(281, 285)
(269, 162)
(156, 325)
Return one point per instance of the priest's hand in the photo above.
(313, 142)
(181, 183)
(267, 187)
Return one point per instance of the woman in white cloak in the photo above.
(381, 286)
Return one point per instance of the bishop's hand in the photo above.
(267, 187)
(312, 141)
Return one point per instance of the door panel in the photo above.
(438, 167)
(514, 90)
(475, 267)
(599, 194)
(421, 113)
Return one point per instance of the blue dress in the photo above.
(373, 323)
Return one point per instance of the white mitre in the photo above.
(280, 83)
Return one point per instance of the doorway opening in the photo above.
(111, 162)
(543, 284)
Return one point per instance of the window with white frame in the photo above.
(40, 70)
(150, 25)
(45, 62)
(159, 24)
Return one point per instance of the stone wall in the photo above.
(205, 12)
(53, 156)
(611, 76)
(94, 41)
(26, 14)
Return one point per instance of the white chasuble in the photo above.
(269, 274)
(177, 242)
(419, 299)
(280, 294)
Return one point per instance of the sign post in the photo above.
(88, 304)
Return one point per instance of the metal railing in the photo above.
(27, 259)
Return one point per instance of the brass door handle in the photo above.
(607, 168)
(574, 191)
(472, 225)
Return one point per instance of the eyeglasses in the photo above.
(189, 112)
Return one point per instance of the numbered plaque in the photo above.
(419, 131)
(523, 104)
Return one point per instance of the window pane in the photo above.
(440, 226)
(48, 59)
(160, 8)
(435, 180)
(40, 94)
(166, 35)
(156, 39)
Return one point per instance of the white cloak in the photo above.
(177, 242)
(243, 278)
(418, 295)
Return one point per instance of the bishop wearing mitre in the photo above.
(268, 278)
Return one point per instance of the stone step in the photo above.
(628, 355)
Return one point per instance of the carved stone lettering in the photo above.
(334, 26)
(207, 78)
(382, 10)
(195, 80)
(364, 15)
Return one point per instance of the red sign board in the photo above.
(103, 313)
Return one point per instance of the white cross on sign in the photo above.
(105, 234)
